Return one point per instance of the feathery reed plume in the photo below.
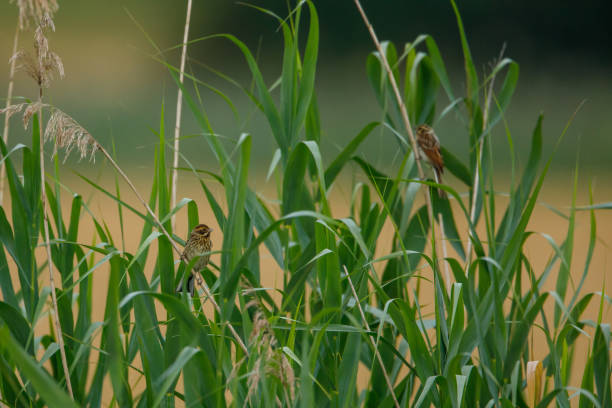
(62, 129)
(44, 65)
(179, 109)
(14, 109)
(34, 11)
(68, 134)
(270, 360)
(29, 10)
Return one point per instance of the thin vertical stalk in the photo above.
(179, 108)
(43, 199)
(9, 97)
(177, 131)
(485, 122)
(443, 239)
(445, 254)
(407, 125)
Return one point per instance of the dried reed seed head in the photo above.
(234, 373)
(50, 67)
(57, 64)
(260, 325)
(47, 22)
(253, 380)
(17, 57)
(25, 62)
(30, 110)
(251, 303)
(13, 109)
(289, 374)
(281, 368)
(271, 359)
(67, 134)
(41, 44)
(44, 65)
(35, 11)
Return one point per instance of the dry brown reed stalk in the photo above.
(476, 184)
(445, 254)
(408, 126)
(43, 66)
(9, 97)
(179, 109)
(29, 11)
(367, 326)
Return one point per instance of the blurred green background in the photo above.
(116, 90)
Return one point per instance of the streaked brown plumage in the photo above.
(198, 244)
(430, 146)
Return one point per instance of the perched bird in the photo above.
(430, 146)
(198, 244)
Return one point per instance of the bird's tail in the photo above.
(438, 174)
(189, 286)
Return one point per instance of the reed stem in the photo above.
(9, 97)
(408, 126)
(43, 199)
(179, 109)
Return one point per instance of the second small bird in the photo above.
(198, 244)
(430, 146)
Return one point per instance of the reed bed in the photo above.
(344, 309)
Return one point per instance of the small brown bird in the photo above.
(198, 244)
(430, 146)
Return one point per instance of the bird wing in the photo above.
(435, 158)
